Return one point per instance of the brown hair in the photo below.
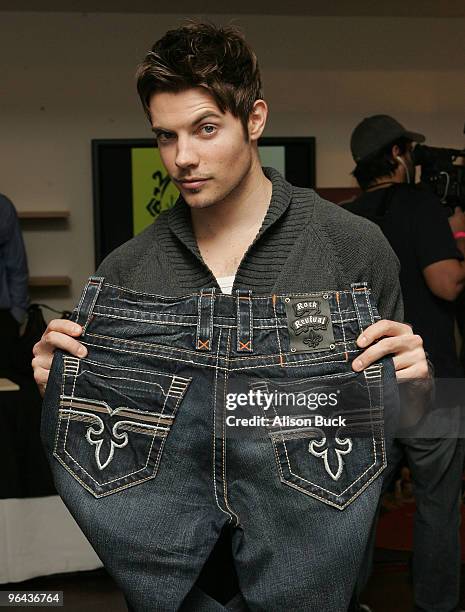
(203, 54)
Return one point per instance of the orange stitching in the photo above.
(203, 345)
(274, 299)
(359, 289)
(244, 345)
(281, 360)
(337, 297)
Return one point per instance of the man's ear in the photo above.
(257, 119)
(395, 151)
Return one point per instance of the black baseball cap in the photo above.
(374, 133)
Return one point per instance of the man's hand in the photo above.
(59, 334)
(391, 338)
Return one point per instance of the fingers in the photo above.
(406, 348)
(413, 355)
(40, 377)
(59, 334)
(65, 327)
(380, 329)
(53, 340)
(417, 370)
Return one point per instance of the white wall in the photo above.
(68, 78)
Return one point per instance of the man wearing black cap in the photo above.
(430, 249)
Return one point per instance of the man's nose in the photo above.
(186, 154)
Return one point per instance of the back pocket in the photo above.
(113, 423)
(330, 444)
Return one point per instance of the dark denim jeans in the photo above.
(145, 453)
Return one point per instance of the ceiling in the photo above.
(333, 8)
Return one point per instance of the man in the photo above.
(13, 280)
(432, 276)
(286, 249)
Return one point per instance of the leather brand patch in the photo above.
(309, 323)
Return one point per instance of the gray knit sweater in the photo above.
(305, 244)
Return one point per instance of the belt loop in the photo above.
(244, 320)
(85, 308)
(205, 320)
(362, 305)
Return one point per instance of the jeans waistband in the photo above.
(207, 308)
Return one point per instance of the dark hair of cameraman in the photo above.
(380, 164)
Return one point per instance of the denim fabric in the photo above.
(137, 437)
(436, 466)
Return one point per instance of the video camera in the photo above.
(441, 175)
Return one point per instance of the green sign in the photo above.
(152, 189)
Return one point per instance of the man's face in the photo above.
(204, 151)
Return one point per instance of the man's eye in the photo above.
(208, 129)
(164, 136)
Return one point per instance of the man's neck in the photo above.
(226, 230)
(386, 181)
(380, 185)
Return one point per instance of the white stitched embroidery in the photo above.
(99, 441)
(315, 445)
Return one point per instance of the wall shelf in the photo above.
(43, 214)
(49, 281)
(37, 220)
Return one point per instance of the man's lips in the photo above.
(192, 183)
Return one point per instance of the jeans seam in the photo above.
(72, 397)
(101, 312)
(298, 364)
(81, 301)
(137, 370)
(341, 322)
(369, 306)
(238, 319)
(199, 306)
(277, 330)
(250, 322)
(212, 302)
(214, 432)
(359, 316)
(98, 288)
(225, 484)
(328, 501)
(195, 294)
(206, 356)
